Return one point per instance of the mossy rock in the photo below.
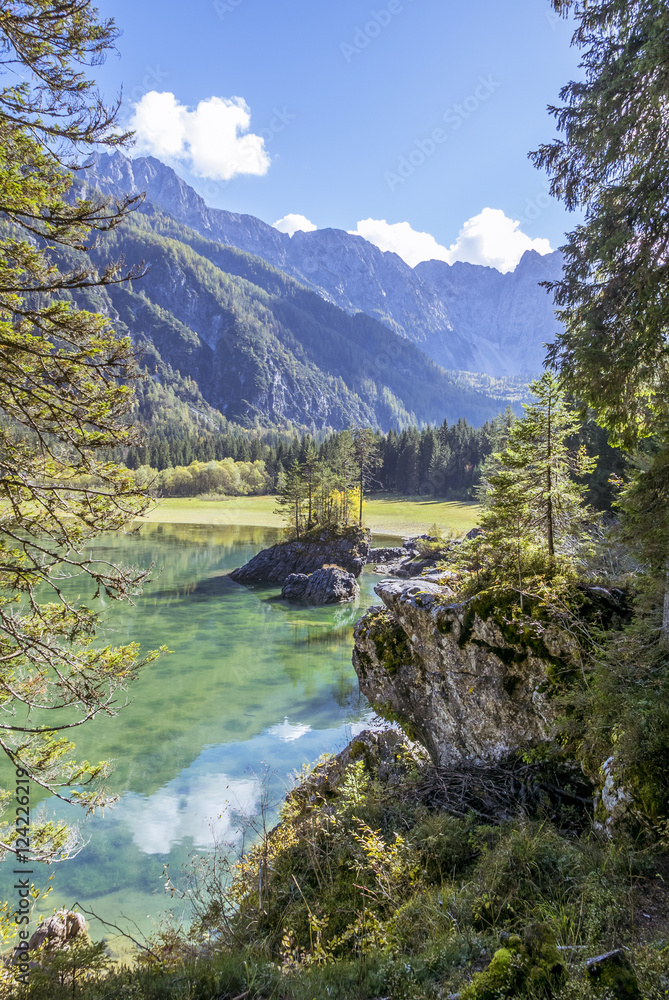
(390, 641)
(500, 978)
(545, 969)
(530, 963)
(614, 973)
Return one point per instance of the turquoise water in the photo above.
(252, 690)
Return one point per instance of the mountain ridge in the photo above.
(466, 320)
(219, 325)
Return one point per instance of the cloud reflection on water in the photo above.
(288, 732)
(203, 809)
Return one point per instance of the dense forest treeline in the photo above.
(444, 461)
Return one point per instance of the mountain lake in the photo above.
(252, 690)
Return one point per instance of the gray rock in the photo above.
(452, 677)
(348, 550)
(330, 585)
(386, 555)
(613, 802)
(58, 931)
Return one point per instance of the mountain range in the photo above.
(321, 329)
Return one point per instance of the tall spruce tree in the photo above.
(533, 491)
(613, 162)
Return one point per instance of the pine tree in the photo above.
(613, 162)
(65, 396)
(532, 491)
(291, 498)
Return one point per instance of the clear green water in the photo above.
(251, 684)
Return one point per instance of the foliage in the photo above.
(612, 161)
(224, 478)
(532, 502)
(364, 887)
(622, 712)
(65, 395)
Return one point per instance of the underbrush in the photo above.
(365, 890)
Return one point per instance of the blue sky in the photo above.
(410, 116)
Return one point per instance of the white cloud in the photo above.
(490, 238)
(212, 141)
(288, 732)
(401, 239)
(292, 223)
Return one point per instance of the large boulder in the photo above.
(330, 585)
(347, 549)
(457, 676)
(386, 555)
(58, 931)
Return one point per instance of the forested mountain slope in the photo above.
(226, 330)
(464, 316)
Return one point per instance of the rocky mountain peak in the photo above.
(464, 316)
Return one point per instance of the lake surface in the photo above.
(252, 687)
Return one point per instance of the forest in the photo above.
(444, 461)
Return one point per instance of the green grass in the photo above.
(387, 514)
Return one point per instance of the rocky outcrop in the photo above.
(347, 550)
(407, 561)
(457, 676)
(613, 801)
(330, 585)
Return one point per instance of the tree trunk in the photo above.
(549, 485)
(665, 612)
(362, 481)
(310, 523)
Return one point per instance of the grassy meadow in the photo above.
(384, 514)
